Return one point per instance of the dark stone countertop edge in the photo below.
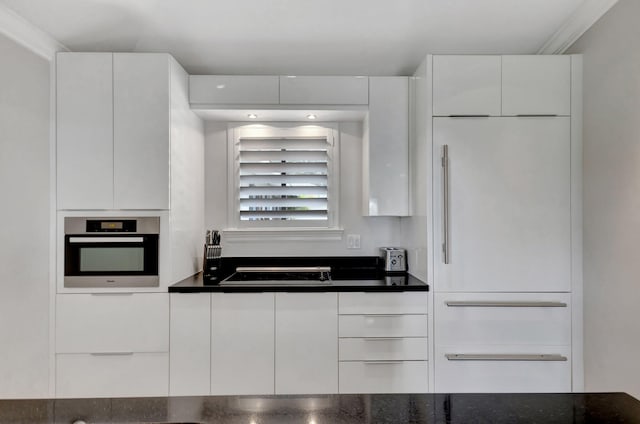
(195, 284)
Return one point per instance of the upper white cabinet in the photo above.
(234, 89)
(466, 85)
(536, 85)
(386, 148)
(324, 90)
(141, 131)
(84, 109)
(306, 342)
(530, 85)
(114, 125)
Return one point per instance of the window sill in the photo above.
(282, 234)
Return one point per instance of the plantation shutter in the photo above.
(283, 179)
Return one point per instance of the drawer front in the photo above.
(86, 375)
(87, 323)
(383, 303)
(384, 377)
(382, 326)
(495, 369)
(503, 318)
(234, 89)
(380, 349)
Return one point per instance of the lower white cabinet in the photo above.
(502, 368)
(306, 343)
(384, 377)
(84, 375)
(112, 344)
(242, 344)
(190, 344)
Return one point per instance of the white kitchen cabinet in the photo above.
(115, 124)
(324, 90)
(508, 205)
(503, 318)
(141, 130)
(536, 85)
(190, 344)
(383, 326)
(234, 89)
(84, 113)
(306, 343)
(383, 349)
(467, 85)
(112, 375)
(384, 377)
(383, 303)
(386, 148)
(105, 323)
(502, 369)
(242, 344)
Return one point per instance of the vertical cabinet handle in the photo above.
(445, 204)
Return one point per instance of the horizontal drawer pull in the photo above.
(382, 339)
(503, 357)
(112, 354)
(499, 304)
(106, 239)
(113, 294)
(383, 362)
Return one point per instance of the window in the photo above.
(283, 176)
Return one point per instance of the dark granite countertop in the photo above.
(369, 283)
(576, 408)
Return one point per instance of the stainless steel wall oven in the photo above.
(111, 252)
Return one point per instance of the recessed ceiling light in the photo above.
(311, 116)
(252, 116)
(220, 86)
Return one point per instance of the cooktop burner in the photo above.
(280, 275)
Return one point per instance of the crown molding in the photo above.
(28, 35)
(578, 23)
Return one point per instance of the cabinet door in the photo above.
(306, 343)
(309, 90)
(141, 130)
(386, 174)
(84, 116)
(190, 344)
(234, 89)
(536, 85)
(466, 85)
(242, 344)
(508, 204)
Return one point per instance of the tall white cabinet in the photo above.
(504, 209)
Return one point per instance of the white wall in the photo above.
(374, 231)
(612, 200)
(24, 232)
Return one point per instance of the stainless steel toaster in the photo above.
(394, 259)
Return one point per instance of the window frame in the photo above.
(328, 130)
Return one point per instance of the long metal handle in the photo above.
(504, 357)
(113, 294)
(445, 204)
(112, 354)
(382, 339)
(383, 362)
(106, 239)
(498, 304)
(382, 315)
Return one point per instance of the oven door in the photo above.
(122, 260)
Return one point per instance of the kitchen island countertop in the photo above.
(560, 408)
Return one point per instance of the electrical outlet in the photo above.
(353, 241)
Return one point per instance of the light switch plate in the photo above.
(353, 241)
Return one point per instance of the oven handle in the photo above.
(106, 239)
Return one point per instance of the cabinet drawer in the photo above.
(503, 318)
(383, 303)
(324, 90)
(382, 326)
(503, 369)
(234, 89)
(384, 377)
(87, 375)
(379, 349)
(90, 323)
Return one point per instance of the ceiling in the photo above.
(302, 37)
